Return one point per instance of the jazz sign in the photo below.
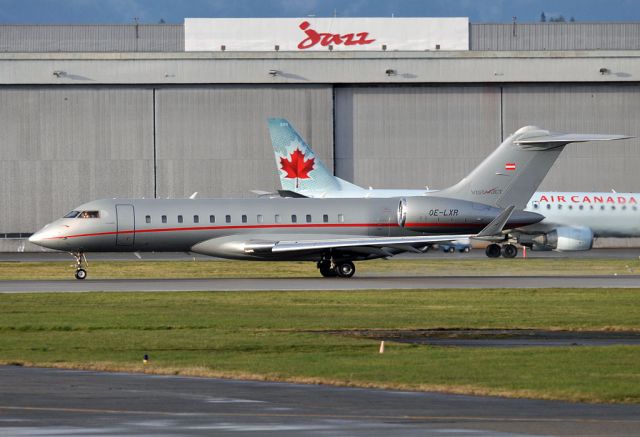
(312, 34)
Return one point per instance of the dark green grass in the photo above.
(265, 335)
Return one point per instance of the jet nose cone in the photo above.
(36, 238)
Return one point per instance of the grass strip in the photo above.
(264, 335)
(262, 269)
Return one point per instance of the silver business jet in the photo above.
(332, 232)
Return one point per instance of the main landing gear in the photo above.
(507, 251)
(343, 269)
(81, 264)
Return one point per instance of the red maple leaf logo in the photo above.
(297, 167)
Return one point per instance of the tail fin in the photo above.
(299, 168)
(513, 172)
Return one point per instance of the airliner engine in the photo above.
(564, 238)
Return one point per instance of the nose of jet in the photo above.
(37, 238)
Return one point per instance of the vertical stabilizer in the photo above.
(513, 172)
(298, 166)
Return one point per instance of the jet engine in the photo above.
(565, 238)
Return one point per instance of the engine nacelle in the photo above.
(565, 238)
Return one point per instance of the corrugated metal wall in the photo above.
(584, 109)
(434, 135)
(555, 36)
(398, 137)
(170, 37)
(214, 139)
(92, 38)
(64, 146)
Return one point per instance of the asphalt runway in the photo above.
(355, 283)
(47, 402)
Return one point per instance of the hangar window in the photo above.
(308, 218)
(325, 218)
(212, 219)
(259, 218)
(90, 214)
(196, 219)
(227, 218)
(340, 218)
(164, 219)
(147, 218)
(294, 218)
(244, 218)
(179, 219)
(72, 214)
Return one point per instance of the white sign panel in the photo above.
(306, 34)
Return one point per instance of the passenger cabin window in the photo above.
(581, 207)
(244, 218)
(89, 214)
(308, 218)
(259, 218)
(624, 207)
(294, 218)
(227, 218)
(548, 206)
(196, 219)
(559, 206)
(179, 219)
(340, 218)
(164, 219)
(325, 218)
(613, 207)
(602, 207)
(635, 208)
(535, 205)
(212, 219)
(72, 214)
(147, 219)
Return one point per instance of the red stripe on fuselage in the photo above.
(273, 226)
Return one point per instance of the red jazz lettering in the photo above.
(326, 39)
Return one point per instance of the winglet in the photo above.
(495, 227)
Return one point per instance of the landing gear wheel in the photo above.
(492, 251)
(326, 270)
(465, 250)
(80, 265)
(451, 249)
(345, 269)
(509, 251)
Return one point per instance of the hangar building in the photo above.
(91, 111)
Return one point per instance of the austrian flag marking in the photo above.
(510, 166)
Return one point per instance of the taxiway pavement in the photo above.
(42, 402)
(355, 283)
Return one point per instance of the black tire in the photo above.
(493, 251)
(509, 251)
(81, 274)
(326, 270)
(451, 249)
(345, 269)
(465, 250)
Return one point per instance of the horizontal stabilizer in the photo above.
(289, 193)
(562, 139)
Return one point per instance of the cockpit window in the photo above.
(72, 214)
(89, 214)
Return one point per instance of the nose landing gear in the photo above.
(81, 264)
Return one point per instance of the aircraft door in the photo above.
(126, 225)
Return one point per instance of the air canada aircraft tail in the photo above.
(513, 172)
(299, 168)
